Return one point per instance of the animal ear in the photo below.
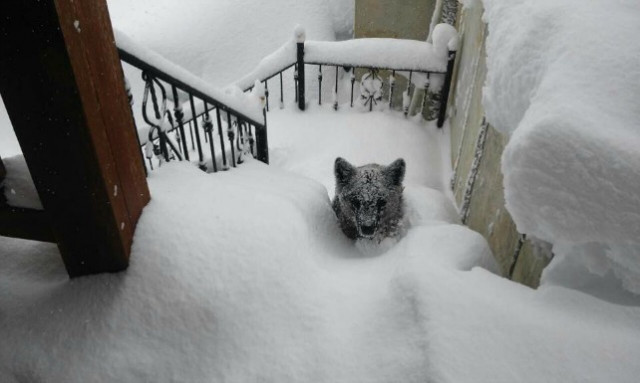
(395, 172)
(344, 171)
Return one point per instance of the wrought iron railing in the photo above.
(375, 87)
(176, 102)
(182, 116)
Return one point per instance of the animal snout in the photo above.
(368, 229)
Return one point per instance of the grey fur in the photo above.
(368, 200)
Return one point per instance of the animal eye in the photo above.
(381, 204)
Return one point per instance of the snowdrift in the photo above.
(562, 82)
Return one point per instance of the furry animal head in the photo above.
(368, 199)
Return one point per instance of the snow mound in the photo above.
(255, 282)
(221, 41)
(308, 143)
(563, 84)
(235, 100)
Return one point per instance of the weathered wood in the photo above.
(63, 87)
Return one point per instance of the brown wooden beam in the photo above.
(63, 87)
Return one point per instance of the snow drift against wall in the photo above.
(563, 82)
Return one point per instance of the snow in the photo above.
(378, 52)
(221, 41)
(308, 143)
(281, 58)
(238, 101)
(245, 276)
(565, 90)
(19, 189)
(258, 283)
(8, 142)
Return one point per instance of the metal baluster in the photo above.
(353, 80)
(175, 152)
(240, 141)
(231, 134)
(266, 93)
(221, 136)
(335, 95)
(281, 94)
(410, 83)
(204, 117)
(208, 129)
(300, 37)
(195, 124)
(150, 89)
(426, 92)
(177, 111)
(193, 142)
(295, 80)
(127, 87)
(262, 144)
(252, 141)
(392, 84)
(446, 87)
(319, 84)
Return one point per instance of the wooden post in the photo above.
(442, 113)
(63, 87)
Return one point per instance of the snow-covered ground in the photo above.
(245, 276)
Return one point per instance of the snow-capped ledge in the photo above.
(242, 103)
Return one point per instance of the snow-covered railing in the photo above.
(427, 65)
(239, 117)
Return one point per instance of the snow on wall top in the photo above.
(387, 53)
(563, 81)
(243, 103)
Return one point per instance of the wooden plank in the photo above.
(63, 88)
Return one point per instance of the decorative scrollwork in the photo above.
(371, 88)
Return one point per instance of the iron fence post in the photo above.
(446, 87)
(261, 137)
(300, 37)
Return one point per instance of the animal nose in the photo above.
(368, 229)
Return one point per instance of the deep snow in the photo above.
(245, 276)
(562, 82)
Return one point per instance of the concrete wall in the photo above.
(406, 19)
(476, 149)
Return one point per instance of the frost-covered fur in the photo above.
(368, 200)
